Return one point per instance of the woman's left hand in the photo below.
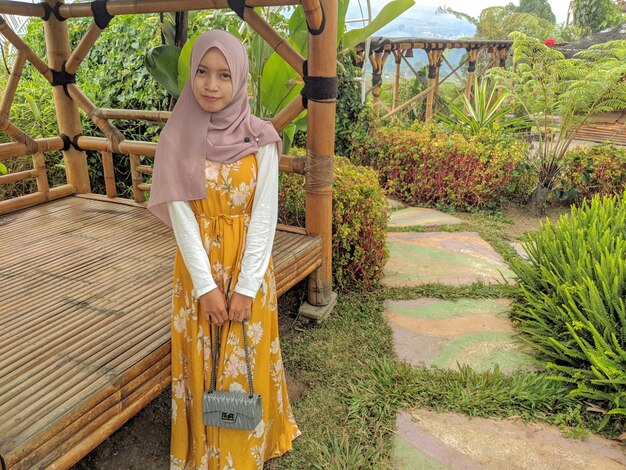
(239, 307)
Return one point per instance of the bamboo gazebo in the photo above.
(402, 48)
(85, 298)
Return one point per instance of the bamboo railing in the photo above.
(403, 48)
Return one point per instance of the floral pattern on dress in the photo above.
(223, 218)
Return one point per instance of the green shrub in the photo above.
(424, 165)
(359, 222)
(572, 307)
(600, 169)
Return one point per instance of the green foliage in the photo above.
(594, 15)
(359, 223)
(539, 8)
(546, 85)
(588, 171)
(353, 118)
(486, 110)
(498, 22)
(572, 307)
(425, 165)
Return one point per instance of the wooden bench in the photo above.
(85, 322)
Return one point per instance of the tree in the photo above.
(539, 8)
(498, 22)
(551, 88)
(595, 15)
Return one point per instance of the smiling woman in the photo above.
(212, 83)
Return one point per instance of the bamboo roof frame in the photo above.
(312, 260)
(401, 48)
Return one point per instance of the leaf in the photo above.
(32, 104)
(162, 63)
(389, 12)
(279, 85)
(184, 63)
(3, 169)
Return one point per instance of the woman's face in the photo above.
(212, 83)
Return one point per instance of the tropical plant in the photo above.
(559, 95)
(539, 8)
(571, 307)
(486, 109)
(594, 15)
(498, 22)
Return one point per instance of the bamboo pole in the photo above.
(137, 178)
(320, 142)
(417, 75)
(14, 79)
(134, 114)
(17, 42)
(17, 134)
(471, 70)
(291, 164)
(288, 113)
(126, 7)
(396, 83)
(109, 174)
(18, 176)
(28, 200)
(39, 164)
(21, 8)
(17, 149)
(434, 59)
(84, 103)
(278, 43)
(58, 47)
(406, 104)
(81, 51)
(313, 13)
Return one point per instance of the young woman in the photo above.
(216, 184)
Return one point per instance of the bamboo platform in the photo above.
(85, 322)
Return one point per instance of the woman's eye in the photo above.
(200, 72)
(226, 76)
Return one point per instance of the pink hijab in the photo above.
(193, 135)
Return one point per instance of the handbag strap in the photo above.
(215, 347)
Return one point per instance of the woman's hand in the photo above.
(239, 307)
(213, 307)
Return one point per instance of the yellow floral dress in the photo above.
(223, 218)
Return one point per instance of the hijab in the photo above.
(193, 135)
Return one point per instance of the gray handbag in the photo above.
(235, 410)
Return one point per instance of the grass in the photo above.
(355, 385)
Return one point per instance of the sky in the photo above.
(472, 7)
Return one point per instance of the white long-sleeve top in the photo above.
(259, 239)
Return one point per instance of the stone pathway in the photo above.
(476, 332)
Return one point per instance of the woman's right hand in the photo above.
(213, 307)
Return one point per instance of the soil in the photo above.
(143, 443)
(524, 221)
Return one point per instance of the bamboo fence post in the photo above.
(396, 84)
(109, 174)
(39, 164)
(502, 54)
(136, 177)
(313, 13)
(58, 47)
(320, 150)
(434, 59)
(471, 70)
(378, 61)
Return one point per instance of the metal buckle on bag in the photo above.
(230, 417)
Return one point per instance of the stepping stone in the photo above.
(454, 441)
(476, 332)
(421, 216)
(439, 257)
